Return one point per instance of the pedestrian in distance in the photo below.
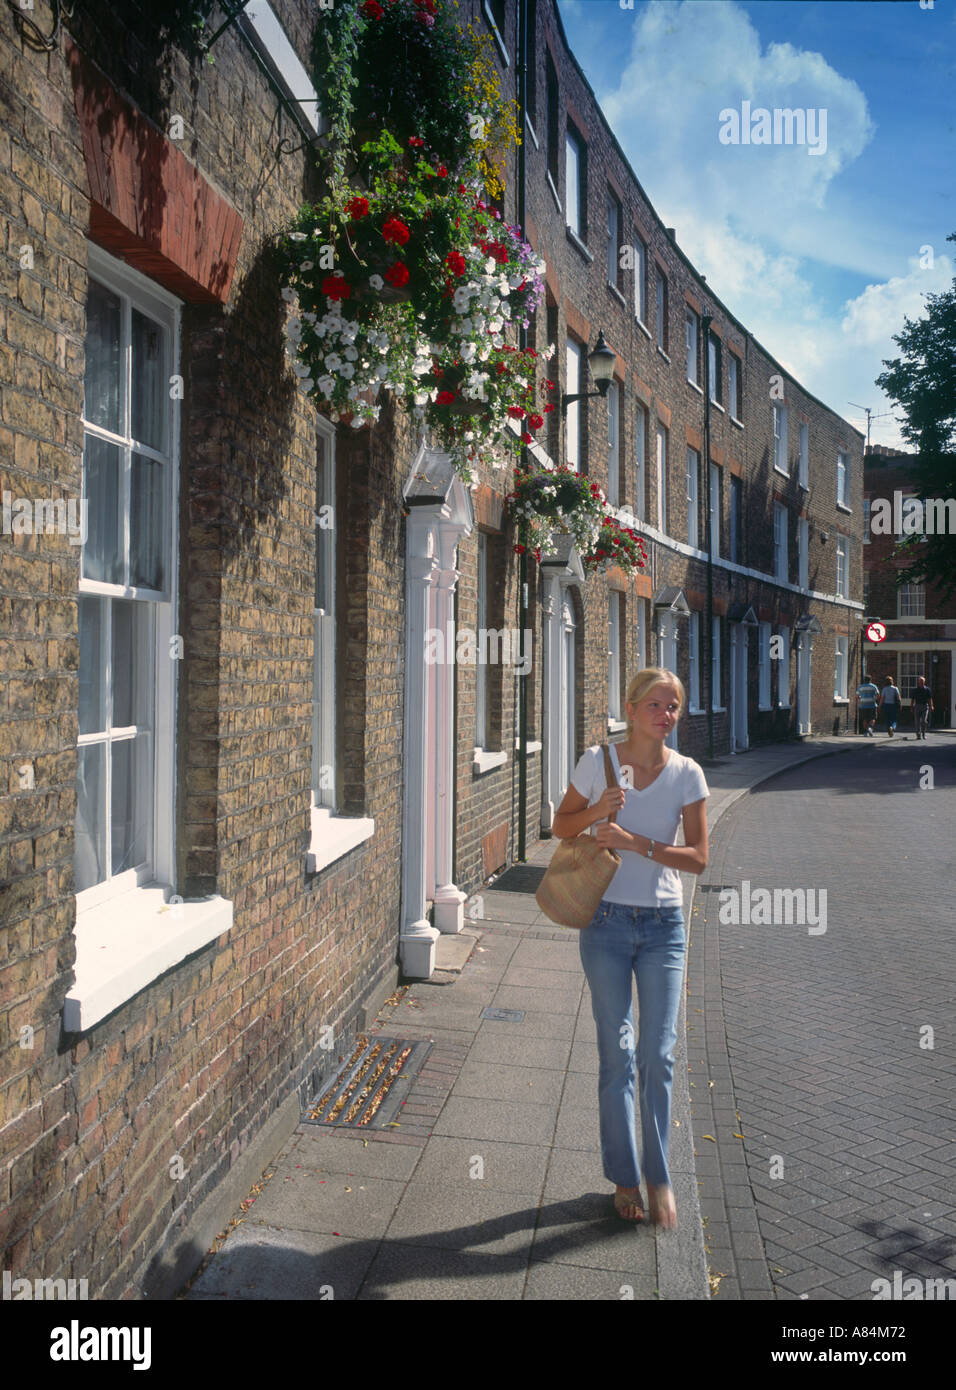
(638, 928)
(922, 706)
(867, 695)
(889, 706)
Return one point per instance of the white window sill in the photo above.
(554, 191)
(842, 507)
(778, 469)
(805, 486)
(485, 760)
(578, 244)
(695, 386)
(663, 354)
(643, 327)
(717, 406)
(617, 294)
(616, 726)
(840, 700)
(533, 747)
(718, 709)
(765, 709)
(735, 421)
(695, 709)
(126, 943)
(531, 130)
(780, 706)
(334, 836)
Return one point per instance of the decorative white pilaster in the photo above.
(418, 936)
(449, 900)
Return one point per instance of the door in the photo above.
(804, 652)
(567, 690)
(739, 648)
(667, 658)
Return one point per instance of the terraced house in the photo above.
(240, 794)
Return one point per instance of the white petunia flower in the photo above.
(376, 282)
(326, 385)
(297, 236)
(289, 295)
(347, 370)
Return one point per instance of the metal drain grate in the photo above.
(369, 1089)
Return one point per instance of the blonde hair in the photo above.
(645, 680)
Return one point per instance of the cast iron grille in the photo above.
(369, 1089)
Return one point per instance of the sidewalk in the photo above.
(490, 1184)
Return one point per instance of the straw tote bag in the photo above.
(579, 872)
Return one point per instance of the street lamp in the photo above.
(602, 360)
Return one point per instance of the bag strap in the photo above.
(611, 779)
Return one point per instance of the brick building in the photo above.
(921, 626)
(237, 798)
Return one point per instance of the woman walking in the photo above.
(889, 705)
(639, 927)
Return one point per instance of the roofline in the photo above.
(704, 284)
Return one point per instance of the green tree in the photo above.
(922, 382)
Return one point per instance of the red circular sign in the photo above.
(875, 632)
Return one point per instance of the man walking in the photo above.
(867, 695)
(890, 705)
(922, 706)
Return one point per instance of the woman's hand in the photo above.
(614, 837)
(611, 802)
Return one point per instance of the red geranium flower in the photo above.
(395, 230)
(455, 262)
(442, 172)
(535, 421)
(397, 275)
(415, 141)
(336, 287)
(425, 19)
(548, 409)
(444, 398)
(372, 9)
(526, 438)
(519, 549)
(357, 207)
(516, 412)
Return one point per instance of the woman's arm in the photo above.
(574, 814)
(691, 857)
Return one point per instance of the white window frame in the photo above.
(783, 672)
(734, 394)
(693, 488)
(640, 453)
(781, 559)
(714, 368)
(763, 666)
(713, 510)
(715, 691)
(572, 170)
(736, 516)
(613, 444)
(614, 657)
(911, 664)
(841, 645)
(691, 337)
(640, 281)
(660, 453)
(127, 933)
(803, 553)
(660, 300)
(867, 508)
(481, 669)
(843, 479)
(911, 601)
(332, 834)
(842, 567)
(693, 667)
(572, 421)
(614, 216)
(804, 466)
(779, 430)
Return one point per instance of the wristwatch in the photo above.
(650, 852)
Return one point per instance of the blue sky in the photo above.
(821, 256)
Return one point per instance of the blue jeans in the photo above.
(650, 942)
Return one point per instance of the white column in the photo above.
(449, 900)
(552, 713)
(418, 936)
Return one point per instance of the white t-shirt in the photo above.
(654, 812)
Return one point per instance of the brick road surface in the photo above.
(809, 1045)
